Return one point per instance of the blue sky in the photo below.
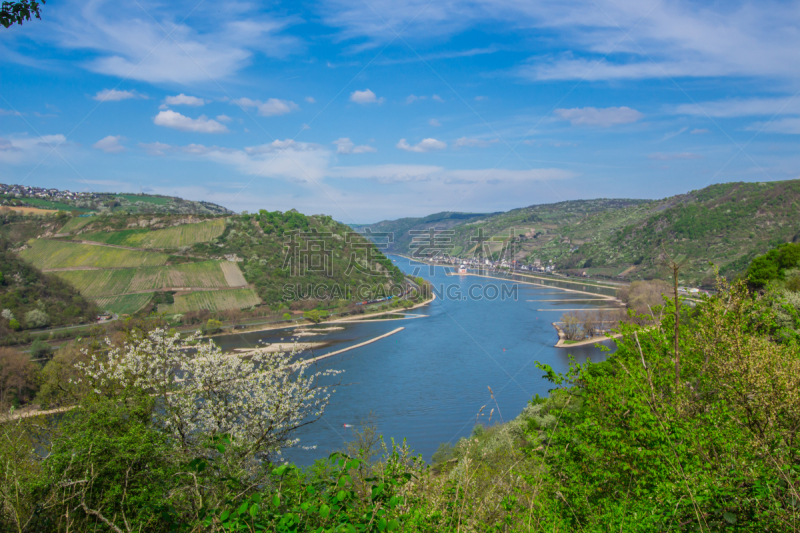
(368, 110)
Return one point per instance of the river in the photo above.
(428, 382)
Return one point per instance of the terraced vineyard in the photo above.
(174, 237)
(75, 224)
(206, 274)
(127, 304)
(46, 254)
(212, 300)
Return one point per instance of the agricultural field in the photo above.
(47, 204)
(75, 224)
(46, 254)
(233, 275)
(126, 304)
(212, 300)
(174, 237)
(206, 274)
(133, 198)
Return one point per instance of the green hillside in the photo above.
(727, 224)
(30, 299)
(539, 222)
(207, 263)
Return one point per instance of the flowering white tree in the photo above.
(201, 393)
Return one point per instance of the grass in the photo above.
(45, 254)
(47, 204)
(126, 304)
(75, 224)
(133, 198)
(212, 301)
(174, 237)
(205, 274)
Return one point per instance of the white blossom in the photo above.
(257, 400)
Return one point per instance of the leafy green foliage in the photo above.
(773, 265)
(262, 240)
(35, 299)
(17, 12)
(315, 315)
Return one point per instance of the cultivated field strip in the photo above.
(126, 304)
(174, 237)
(233, 275)
(206, 275)
(75, 224)
(212, 301)
(46, 254)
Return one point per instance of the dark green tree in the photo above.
(16, 12)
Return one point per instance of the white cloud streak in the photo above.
(113, 95)
(270, 108)
(110, 144)
(365, 97)
(671, 157)
(174, 120)
(425, 145)
(182, 99)
(345, 146)
(601, 117)
(22, 150)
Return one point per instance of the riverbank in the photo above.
(564, 343)
(306, 323)
(600, 296)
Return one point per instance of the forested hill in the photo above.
(726, 224)
(465, 225)
(182, 265)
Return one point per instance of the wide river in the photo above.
(428, 382)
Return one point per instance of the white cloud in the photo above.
(669, 157)
(646, 39)
(21, 150)
(156, 148)
(110, 144)
(223, 118)
(9, 113)
(411, 98)
(365, 97)
(437, 98)
(286, 159)
(202, 124)
(435, 123)
(182, 99)
(113, 95)
(699, 131)
(475, 143)
(310, 100)
(127, 43)
(426, 173)
(742, 107)
(425, 145)
(345, 146)
(480, 98)
(790, 125)
(270, 108)
(602, 117)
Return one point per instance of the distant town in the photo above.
(27, 191)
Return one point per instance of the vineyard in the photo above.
(45, 254)
(127, 304)
(212, 301)
(75, 224)
(174, 237)
(206, 275)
